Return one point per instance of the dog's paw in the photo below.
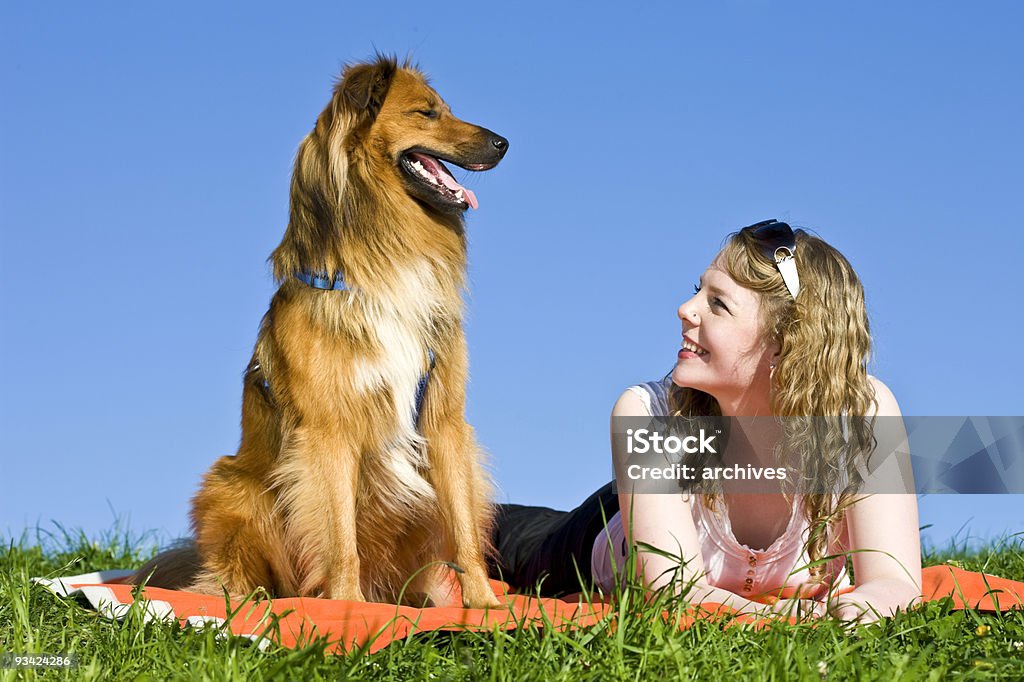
(490, 603)
(481, 597)
(345, 592)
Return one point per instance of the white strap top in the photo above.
(728, 564)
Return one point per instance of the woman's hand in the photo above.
(853, 610)
(800, 609)
(871, 601)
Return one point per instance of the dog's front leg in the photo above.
(457, 474)
(320, 481)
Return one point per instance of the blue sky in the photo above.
(146, 152)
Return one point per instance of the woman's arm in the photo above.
(884, 537)
(664, 521)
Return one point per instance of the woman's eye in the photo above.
(428, 113)
(714, 301)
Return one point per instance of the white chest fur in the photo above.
(400, 319)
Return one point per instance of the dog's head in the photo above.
(378, 148)
(399, 125)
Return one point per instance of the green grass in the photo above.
(931, 643)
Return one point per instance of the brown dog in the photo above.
(357, 475)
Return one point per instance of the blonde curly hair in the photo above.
(820, 381)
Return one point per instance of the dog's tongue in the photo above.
(437, 168)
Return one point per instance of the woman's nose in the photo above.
(687, 313)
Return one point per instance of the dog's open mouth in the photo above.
(429, 172)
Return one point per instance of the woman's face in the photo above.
(723, 352)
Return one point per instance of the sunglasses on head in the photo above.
(778, 244)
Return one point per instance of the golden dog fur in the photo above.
(335, 490)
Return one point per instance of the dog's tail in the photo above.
(175, 568)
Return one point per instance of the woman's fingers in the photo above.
(799, 608)
(853, 611)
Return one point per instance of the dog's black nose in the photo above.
(500, 143)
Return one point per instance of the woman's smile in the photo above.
(690, 349)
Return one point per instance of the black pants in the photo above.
(541, 545)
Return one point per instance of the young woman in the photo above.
(777, 327)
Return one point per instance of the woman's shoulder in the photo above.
(885, 401)
(643, 400)
(632, 403)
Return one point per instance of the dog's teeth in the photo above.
(459, 194)
(424, 173)
(418, 167)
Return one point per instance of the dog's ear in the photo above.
(363, 87)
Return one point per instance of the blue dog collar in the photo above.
(322, 280)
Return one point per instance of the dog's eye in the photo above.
(428, 113)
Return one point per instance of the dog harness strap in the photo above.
(421, 389)
(323, 280)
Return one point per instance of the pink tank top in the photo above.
(728, 564)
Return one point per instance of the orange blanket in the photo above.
(352, 625)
